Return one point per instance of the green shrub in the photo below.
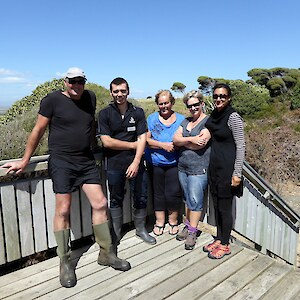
(14, 136)
(26, 103)
(295, 97)
(249, 100)
(20, 119)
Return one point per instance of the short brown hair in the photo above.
(118, 81)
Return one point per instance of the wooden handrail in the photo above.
(36, 163)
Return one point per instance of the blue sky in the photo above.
(150, 43)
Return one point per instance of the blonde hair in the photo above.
(163, 93)
(192, 94)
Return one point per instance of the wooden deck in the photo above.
(163, 271)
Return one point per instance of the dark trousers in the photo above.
(224, 219)
(167, 194)
(138, 188)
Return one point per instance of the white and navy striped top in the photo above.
(236, 125)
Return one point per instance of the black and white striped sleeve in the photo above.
(236, 125)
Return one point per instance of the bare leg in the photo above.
(173, 222)
(187, 213)
(98, 202)
(160, 221)
(62, 211)
(195, 218)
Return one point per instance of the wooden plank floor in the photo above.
(163, 271)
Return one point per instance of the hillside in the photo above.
(273, 150)
(2, 110)
(272, 124)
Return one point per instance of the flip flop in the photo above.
(160, 228)
(171, 231)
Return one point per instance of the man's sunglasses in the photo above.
(197, 104)
(221, 96)
(78, 81)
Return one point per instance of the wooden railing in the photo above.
(27, 211)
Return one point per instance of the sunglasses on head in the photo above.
(221, 96)
(197, 104)
(117, 91)
(78, 81)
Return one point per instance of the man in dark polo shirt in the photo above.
(122, 129)
(70, 117)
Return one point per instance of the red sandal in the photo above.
(210, 247)
(220, 251)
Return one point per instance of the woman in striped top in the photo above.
(225, 166)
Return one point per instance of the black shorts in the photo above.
(67, 177)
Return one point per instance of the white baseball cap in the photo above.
(75, 72)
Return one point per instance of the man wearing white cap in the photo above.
(70, 116)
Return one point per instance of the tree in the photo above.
(206, 84)
(178, 87)
(279, 81)
(249, 100)
(276, 86)
(260, 76)
(289, 81)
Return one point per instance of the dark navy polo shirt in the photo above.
(128, 128)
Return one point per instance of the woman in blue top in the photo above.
(162, 159)
(192, 137)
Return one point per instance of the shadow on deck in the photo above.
(163, 271)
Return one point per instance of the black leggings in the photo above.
(166, 188)
(224, 219)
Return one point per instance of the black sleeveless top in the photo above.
(223, 152)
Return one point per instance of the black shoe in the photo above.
(146, 237)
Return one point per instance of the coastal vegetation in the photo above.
(269, 102)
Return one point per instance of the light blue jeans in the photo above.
(194, 187)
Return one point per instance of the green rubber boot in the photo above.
(67, 276)
(107, 257)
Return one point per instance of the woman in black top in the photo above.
(225, 167)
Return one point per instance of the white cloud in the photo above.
(12, 79)
(14, 86)
(5, 72)
(10, 76)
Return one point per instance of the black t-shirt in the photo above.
(71, 125)
(128, 128)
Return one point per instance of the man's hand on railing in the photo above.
(14, 167)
